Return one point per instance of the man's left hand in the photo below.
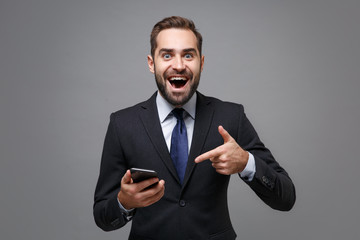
(228, 158)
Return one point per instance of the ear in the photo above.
(150, 61)
(202, 62)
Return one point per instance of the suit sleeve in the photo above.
(271, 182)
(107, 213)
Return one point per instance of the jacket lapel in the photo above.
(150, 119)
(203, 119)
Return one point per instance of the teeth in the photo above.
(177, 79)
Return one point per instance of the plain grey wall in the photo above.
(66, 65)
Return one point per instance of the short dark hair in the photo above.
(174, 22)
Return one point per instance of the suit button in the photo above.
(265, 179)
(182, 203)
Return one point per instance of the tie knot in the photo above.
(178, 113)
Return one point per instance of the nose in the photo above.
(178, 64)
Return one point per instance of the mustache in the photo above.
(185, 73)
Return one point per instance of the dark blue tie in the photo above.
(179, 144)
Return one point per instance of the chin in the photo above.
(178, 100)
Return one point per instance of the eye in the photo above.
(188, 56)
(166, 56)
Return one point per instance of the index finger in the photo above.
(206, 156)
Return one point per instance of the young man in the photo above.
(194, 149)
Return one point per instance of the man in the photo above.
(217, 140)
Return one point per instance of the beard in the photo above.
(177, 99)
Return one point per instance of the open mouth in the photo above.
(178, 82)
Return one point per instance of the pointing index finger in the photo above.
(207, 156)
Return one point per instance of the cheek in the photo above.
(194, 65)
(195, 69)
(161, 69)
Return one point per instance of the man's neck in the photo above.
(164, 107)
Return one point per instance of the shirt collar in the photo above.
(164, 107)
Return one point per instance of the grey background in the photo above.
(66, 65)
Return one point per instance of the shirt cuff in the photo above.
(249, 171)
(128, 214)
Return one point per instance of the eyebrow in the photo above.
(166, 50)
(190, 50)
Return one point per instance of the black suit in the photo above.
(197, 209)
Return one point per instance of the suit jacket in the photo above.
(197, 209)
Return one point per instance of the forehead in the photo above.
(177, 39)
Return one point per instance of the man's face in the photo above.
(177, 65)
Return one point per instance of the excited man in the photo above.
(193, 142)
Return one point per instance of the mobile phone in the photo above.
(139, 174)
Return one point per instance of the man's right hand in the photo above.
(135, 195)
